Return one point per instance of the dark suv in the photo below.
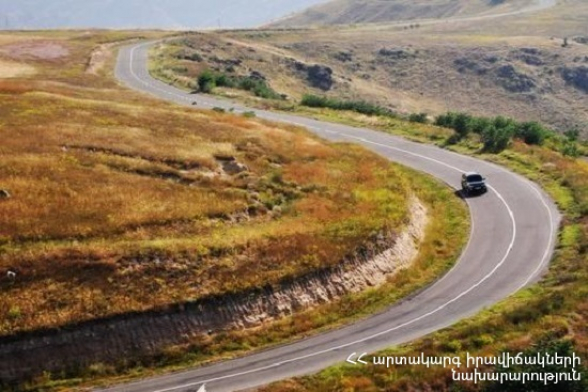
(473, 182)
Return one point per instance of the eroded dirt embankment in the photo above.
(135, 335)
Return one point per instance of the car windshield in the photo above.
(475, 178)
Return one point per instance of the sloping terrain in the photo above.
(535, 80)
(341, 12)
(174, 14)
(530, 68)
(119, 206)
(119, 209)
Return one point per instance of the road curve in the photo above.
(513, 235)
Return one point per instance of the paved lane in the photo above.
(512, 240)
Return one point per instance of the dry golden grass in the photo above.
(119, 202)
(10, 70)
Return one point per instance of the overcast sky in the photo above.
(168, 14)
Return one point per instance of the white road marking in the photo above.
(423, 316)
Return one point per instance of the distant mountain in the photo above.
(380, 11)
(169, 14)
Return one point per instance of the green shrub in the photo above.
(418, 118)
(193, 57)
(188, 55)
(501, 122)
(445, 120)
(496, 139)
(314, 101)
(483, 341)
(461, 124)
(531, 133)
(496, 133)
(572, 134)
(207, 81)
(14, 313)
(452, 346)
(362, 107)
(223, 80)
(479, 124)
(570, 149)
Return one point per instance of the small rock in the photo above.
(257, 75)
(234, 167)
(253, 196)
(277, 211)
(577, 77)
(320, 77)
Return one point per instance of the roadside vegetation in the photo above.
(495, 134)
(362, 107)
(120, 203)
(548, 315)
(551, 311)
(179, 63)
(208, 81)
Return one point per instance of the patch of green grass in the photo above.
(362, 107)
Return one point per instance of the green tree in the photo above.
(531, 133)
(446, 120)
(461, 124)
(207, 81)
(496, 139)
(501, 122)
(479, 124)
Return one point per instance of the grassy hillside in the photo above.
(530, 68)
(342, 12)
(120, 203)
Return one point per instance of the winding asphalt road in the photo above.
(513, 236)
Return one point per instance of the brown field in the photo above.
(120, 203)
(9, 70)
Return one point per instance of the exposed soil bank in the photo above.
(147, 333)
